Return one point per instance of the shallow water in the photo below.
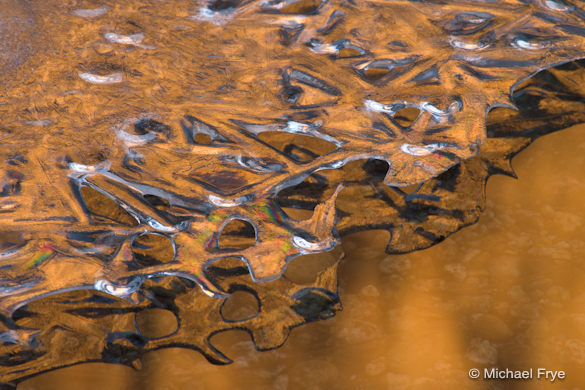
(506, 292)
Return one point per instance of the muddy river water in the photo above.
(507, 292)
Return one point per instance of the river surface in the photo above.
(506, 292)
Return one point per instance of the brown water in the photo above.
(506, 292)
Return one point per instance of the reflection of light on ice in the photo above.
(425, 150)
(132, 39)
(312, 246)
(90, 13)
(98, 79)
(125, 291)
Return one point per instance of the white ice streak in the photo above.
(90, 13)
(132, 39)
(425, 150)
(112, 78)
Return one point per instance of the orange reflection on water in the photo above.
(506, 292)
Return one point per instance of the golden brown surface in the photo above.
(171, 99)
(506, 292)
(148, 139)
